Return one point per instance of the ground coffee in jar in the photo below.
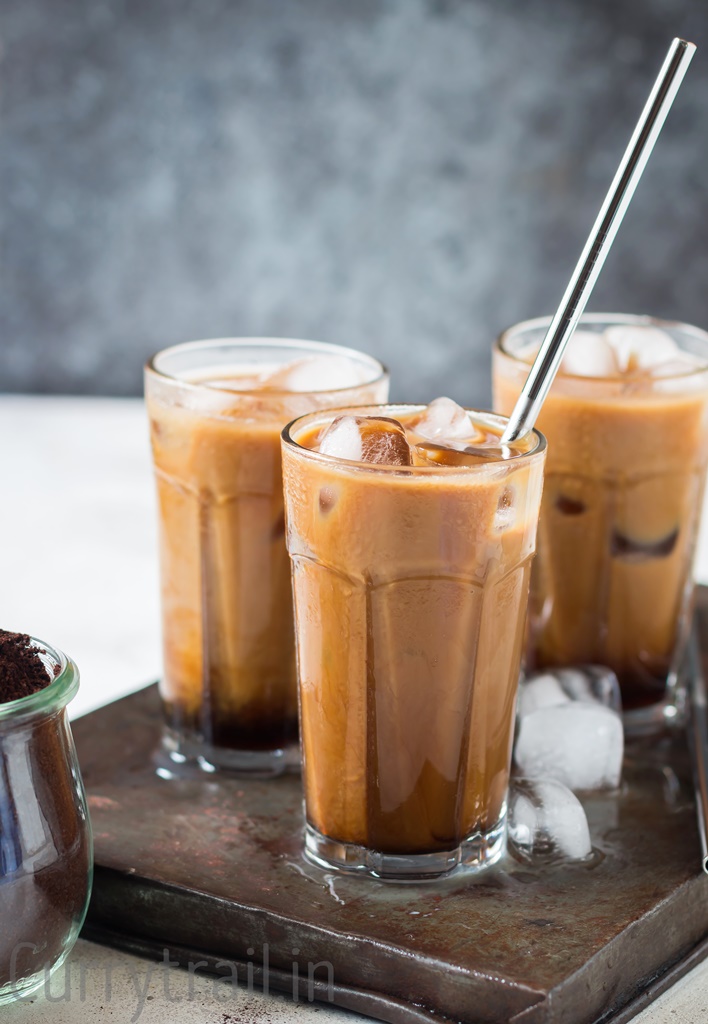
(22, 670)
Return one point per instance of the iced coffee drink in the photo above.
(627, 428)
(411, 532)
(216, 412)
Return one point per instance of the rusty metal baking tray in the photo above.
(212, 870)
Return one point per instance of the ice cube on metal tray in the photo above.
(591, 683)
(445, 421)
(546, 819)
(641, 348)
(594, 684)
(578, 740)
(377, 439)
(542, 690)
(589, 355)
(315, 373)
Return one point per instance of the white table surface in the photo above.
(78, 565)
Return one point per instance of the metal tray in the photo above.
(212, 870)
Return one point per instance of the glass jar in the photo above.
(46, 850)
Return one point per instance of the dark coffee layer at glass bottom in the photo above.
(641, 689)
(429, 823)
(252, 731)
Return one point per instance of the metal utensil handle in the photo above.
(697, 727)
(598, 245)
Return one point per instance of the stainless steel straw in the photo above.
(598, 245)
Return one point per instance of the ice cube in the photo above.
(681, 365)
(342, 439)
(631, 549)
(579, 743)
(528, 352)
(591, 683)
(540, 691)
(316, 373)
(384, 441)
(640, 348)
(686, 372)
(445, 421)
(546, 818)
(505, 514)
(589, 355)
(377, 439)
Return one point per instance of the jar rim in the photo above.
(53, 697)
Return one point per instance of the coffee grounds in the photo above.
(22, 671)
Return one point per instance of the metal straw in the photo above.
(602, 236)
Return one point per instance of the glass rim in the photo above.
(238, 342)
(392, 407)
(610, 319)
(53, 697)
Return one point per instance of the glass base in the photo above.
(669, 713)
(180, 756)
(653, 719)
(476, 853)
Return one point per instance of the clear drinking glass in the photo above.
(229, 685)
(612, 582)
(46, 852)
(410, 587)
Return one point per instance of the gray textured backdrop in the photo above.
(404, 177)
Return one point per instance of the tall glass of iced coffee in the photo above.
(627, 427)
(216, 412)
(411, 532)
